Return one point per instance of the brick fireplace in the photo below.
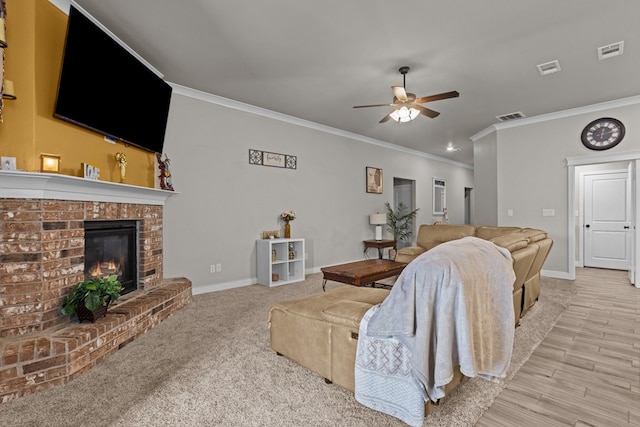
(42, 255)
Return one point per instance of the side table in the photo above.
(380, 244)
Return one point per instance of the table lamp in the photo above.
(378, 220)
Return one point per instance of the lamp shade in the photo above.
(377, 219)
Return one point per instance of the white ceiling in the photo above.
(315, 60)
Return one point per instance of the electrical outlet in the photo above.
(218, 268)
(213, 268)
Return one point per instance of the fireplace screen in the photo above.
(110, 247)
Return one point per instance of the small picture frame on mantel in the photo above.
(374, 180)
(8, 163)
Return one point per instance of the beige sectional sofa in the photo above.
(529, 249)
(320, 331)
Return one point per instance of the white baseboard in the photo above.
(556, 274)
(197, 290)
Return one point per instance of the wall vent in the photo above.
(549, 67)
(615, 49)
(511, 116)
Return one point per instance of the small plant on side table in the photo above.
(92, 295)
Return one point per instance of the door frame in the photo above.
(572, 162)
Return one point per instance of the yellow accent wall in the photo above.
(36, 31)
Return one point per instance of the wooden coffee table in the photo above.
(362, 273)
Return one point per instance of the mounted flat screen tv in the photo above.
(105, 88)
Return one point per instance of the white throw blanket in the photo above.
(452, 305)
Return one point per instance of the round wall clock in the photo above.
(603, 133)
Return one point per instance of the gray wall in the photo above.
(532, 174)
(485, 203)
(224, 203)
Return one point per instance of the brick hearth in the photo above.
(42, 259)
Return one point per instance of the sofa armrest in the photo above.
(346, 313)
(409, 253)
(512, 242)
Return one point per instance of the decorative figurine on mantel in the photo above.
(165, 172)
(122, 163)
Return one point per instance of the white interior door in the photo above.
(607, 210)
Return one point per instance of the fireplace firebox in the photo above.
(111, 247)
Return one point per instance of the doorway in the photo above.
(404, 191)
(467, 205)
(576, 166)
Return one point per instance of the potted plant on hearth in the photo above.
(90, 298)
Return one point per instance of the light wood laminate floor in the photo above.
(586, 371)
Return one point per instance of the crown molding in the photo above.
(623, 102)
(248, 108)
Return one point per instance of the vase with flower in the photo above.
(287, 217)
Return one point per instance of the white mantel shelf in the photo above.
(33, 185)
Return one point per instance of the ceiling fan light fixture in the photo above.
(395, 115)
(406, 105)
(404, 114)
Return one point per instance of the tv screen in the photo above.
(105, 88)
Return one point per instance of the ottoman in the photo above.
(320, 331)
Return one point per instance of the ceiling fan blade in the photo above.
(374, 105)
(400, 93)
(427, 112)
(445, 95)
(386, 118)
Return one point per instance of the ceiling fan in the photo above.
(406, 106)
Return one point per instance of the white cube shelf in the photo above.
(275, 261)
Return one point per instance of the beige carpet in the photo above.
(211, 365)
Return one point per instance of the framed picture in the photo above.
(273, 159)
(265, 158)
(374, 180)
(8, 163)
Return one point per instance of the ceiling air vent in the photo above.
(549, 67)
(511, 116)
(605, 52)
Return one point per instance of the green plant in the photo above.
(93, 293)
(399, 221)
